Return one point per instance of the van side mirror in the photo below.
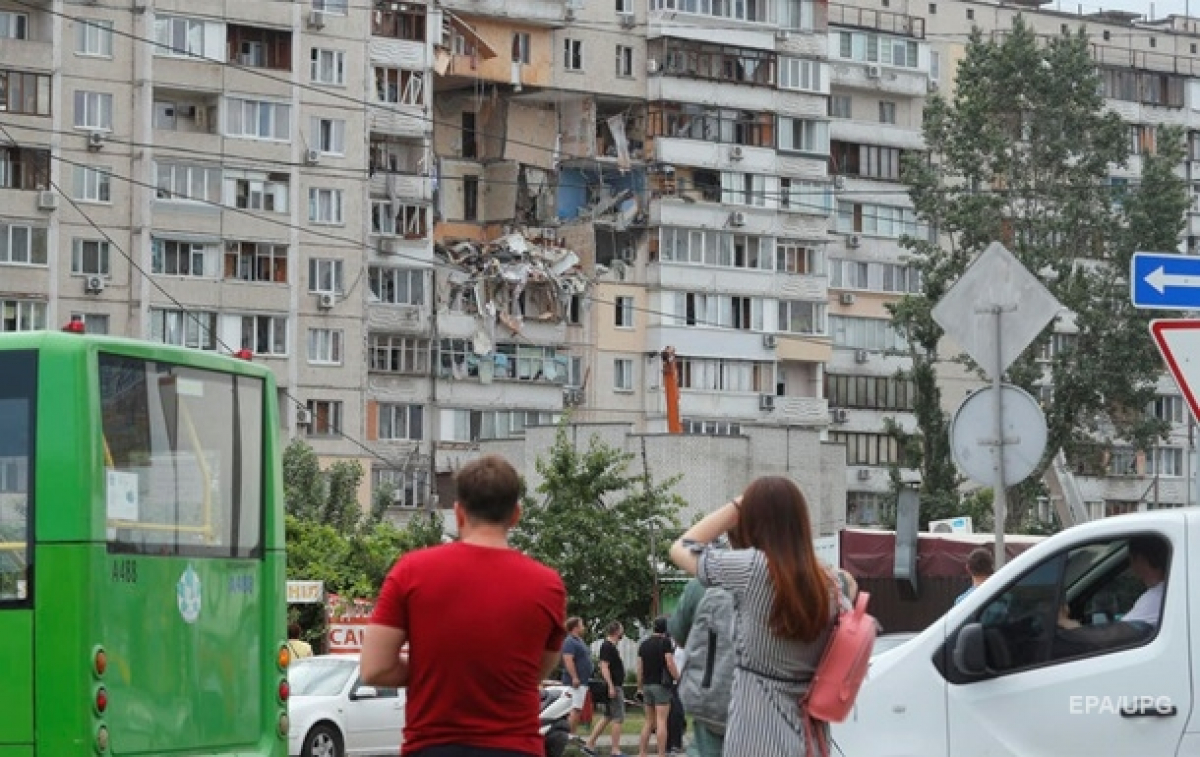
(970, 651)
(366, 692)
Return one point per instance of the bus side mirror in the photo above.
(970, 651)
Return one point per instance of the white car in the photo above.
(333, 714)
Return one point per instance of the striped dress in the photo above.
(764, 714)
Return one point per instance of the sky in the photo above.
(1162, 8)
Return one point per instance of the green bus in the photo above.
(142, 605)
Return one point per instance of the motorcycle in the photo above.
(553, 717)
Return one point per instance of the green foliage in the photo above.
(603, 529)
(1022, 155)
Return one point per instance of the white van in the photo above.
(1040, 661)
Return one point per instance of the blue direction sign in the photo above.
(1164, 281)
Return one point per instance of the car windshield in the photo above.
(319, 678)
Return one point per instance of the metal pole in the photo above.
(999, 499)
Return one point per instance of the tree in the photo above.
(604, 530)
(1023, 155)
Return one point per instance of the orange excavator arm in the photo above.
(671, 387)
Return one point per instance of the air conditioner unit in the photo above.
(628, 21)
(652, 65)
(782, 34)
(312, 157)
(874, 72)
(770, 341)
(316, 20)
(737, 218)
(933, 85)
(94, 284)
(47, 200)
(569, 15)
(387, 246)
(840, 415)
(960, 525)
(839, 182)
(863, 474)
(326, 301)
(847, 298)
(766, 402)
(572, 396)
(95, 141)
(736, 152)
(854, 240)
(861, 356)
(303, 417)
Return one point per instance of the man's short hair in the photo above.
(573, 622)
(1153, 548)
(488, 490)
(660, 624)
(981, 562)
(613, 627)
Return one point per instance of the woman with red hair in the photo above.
(785, 600)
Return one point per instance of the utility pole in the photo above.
(655, 596)
(431, 503)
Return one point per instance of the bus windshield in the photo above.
(18, 385)
(183, 457)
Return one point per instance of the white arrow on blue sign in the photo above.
(1164, 281)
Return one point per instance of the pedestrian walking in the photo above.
(612, 672)
(577, 670)
(656, 675)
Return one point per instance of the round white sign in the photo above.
(973, 435)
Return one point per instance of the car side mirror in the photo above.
(970, 651)
(366, 692)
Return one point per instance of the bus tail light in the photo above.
(284, 725)
(101, 700)
(284, 690)
(284, 659)
(102, 739)
(100, 662)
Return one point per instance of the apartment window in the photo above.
(178, 37)
(879, 220)
(256, 47)
(868, 449)
(841, 106)
(875, 277)
(623, 375)
(869, 392)
(325, 205)
(803, 135)
(22, 315)
(573, 54)
(410, 488)
(470, 198)
(325, 276)
(24, 168)
(93, 38)
(93, 184)
(184, 328)
(332, 7)
(399, 155)
(798, 258)
(390, 353)
(399, 21)
(399, 86)
(256, 261)
(887, 112)
(801, 74)
(715, 248)
(399, 219)
(1141, 139)
(93, 110)
(735, 376)
(329, 135)
(22, 245)
(326, 418)
(172, 257)
(1122, 461)
(257, 119)
(470, 145)
(401, 422)
(867, 161)
(327, 66)
(1167, 407)
(878, 48)
(264, 334)
(325, 346)
(1164, 461)
(805, 196)
(865, 334)
(396, 286)
(177, 181)
(23, 93)
(711, 428)
(89, 257)
(624, 61)
(520, 47)
(252, 53)
(624, 312)
(624, 6)
(744, 189)
(721, 311)
(254, 190)
(801, 317)
(971, 17)
(94, 323)
(14, 25)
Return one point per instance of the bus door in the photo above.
(18, 394)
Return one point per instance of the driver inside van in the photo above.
(1148, 556)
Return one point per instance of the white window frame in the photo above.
(328, 135)
(276, 344)
(325, 206)
(94, 38)
(14, 25)
(398, 354)
(168, 30)
(327, 66)
(32, 254)
(331, 7)
(887, 112)
(246, 119)
(325, 276)
(93, 110)
(573, 54)
(521, 43)
(816, 311)
(184, 328)
(622, 374)
(406, 285)
(203, 260)
(802, 75)
(200, 184)
(80, 255)
(624, 61)
(814, 135)
(94, 323)
(24, 315)
(396, 85)
(325, 346)
(400, 422)
(260, 191)
(93, 184)
(332, 412)
(623, 312)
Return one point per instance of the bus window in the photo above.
(18, 391)
(183, 452)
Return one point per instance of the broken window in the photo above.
(399, 86)
(399, 21)
(396, 286)
(470, 198)
(399, 219)
(520, 47)
(256, 261)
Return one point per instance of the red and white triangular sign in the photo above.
(1179, 342)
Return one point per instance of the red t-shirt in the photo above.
(478, 621)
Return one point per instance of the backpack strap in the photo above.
(816, 739)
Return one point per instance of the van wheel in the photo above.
(322, 741)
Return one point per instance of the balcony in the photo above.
(414, 187)
(887, 22)
(26, 54)
(256, 47)
(25, 169)
(548, 13)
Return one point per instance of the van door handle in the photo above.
(1150, 711)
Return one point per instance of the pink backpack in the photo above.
(840, 673)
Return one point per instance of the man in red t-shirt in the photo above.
(483, 624)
